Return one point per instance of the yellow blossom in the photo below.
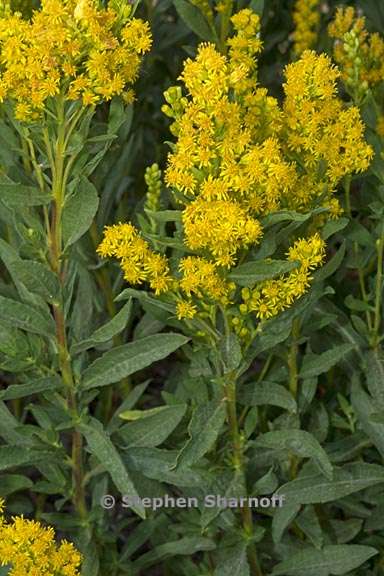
(30, 548)
(185, 309)
(359, 54)
(306, 17)
(74, 47)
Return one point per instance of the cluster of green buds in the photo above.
(205, 8)
(353, 71)
(153, 182)
(175, 106)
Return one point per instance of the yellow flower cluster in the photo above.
(306, 17)
(239, 155)
(138, 262)
(30, 549)
(359, 54)
(270, 297)
(321, 129)
(76, 48)
(207, 222)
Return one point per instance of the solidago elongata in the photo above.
(242, 161)
(239, 158)
(55, 68)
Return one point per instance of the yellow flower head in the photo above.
(359, 54)
(30, 548)
(73, 47)
(138, 261)
(221, 226)
(306, 17)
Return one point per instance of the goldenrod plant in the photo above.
(191, 288)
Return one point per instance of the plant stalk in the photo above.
(57, 156)
(239, 465)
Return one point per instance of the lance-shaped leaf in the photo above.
(204, 428)
(79, 211)
(299, 442)
(129, 358)
(315, 364)
(315, 488)
(22, 316)
(251, 272)
(107, 331)
(150, 427)
(101, 446)
(331, 560)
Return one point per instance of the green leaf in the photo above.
(250, 273)
(20, 196)
(152, 427)
(267, 393)
(315, 364)
(230, 352)
(334, 559)
(299, 442)
(184, 547)
(37, 386)
(233, 561)
(165, 215)
(375, 376)
(330, 267)
(308, 523)
(282, 518)
(37, 278)
(365, 408)
(118, 114)
(22, 456)
(106, 332)
(22, 316)
(129, 358)
(204, 428)
(101, 446)
(314, 488)
(79, 210)
(194, 19)
(288, 215)
(144, 298)
(10, 483)
(159, 465)
(257, 6)
(130, 401)
(333, 226)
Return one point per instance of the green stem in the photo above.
(239, 465)
(224, 24)
(56, 156)
(379, 292)
(294, 381)
(364, 295)
(292, 359)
